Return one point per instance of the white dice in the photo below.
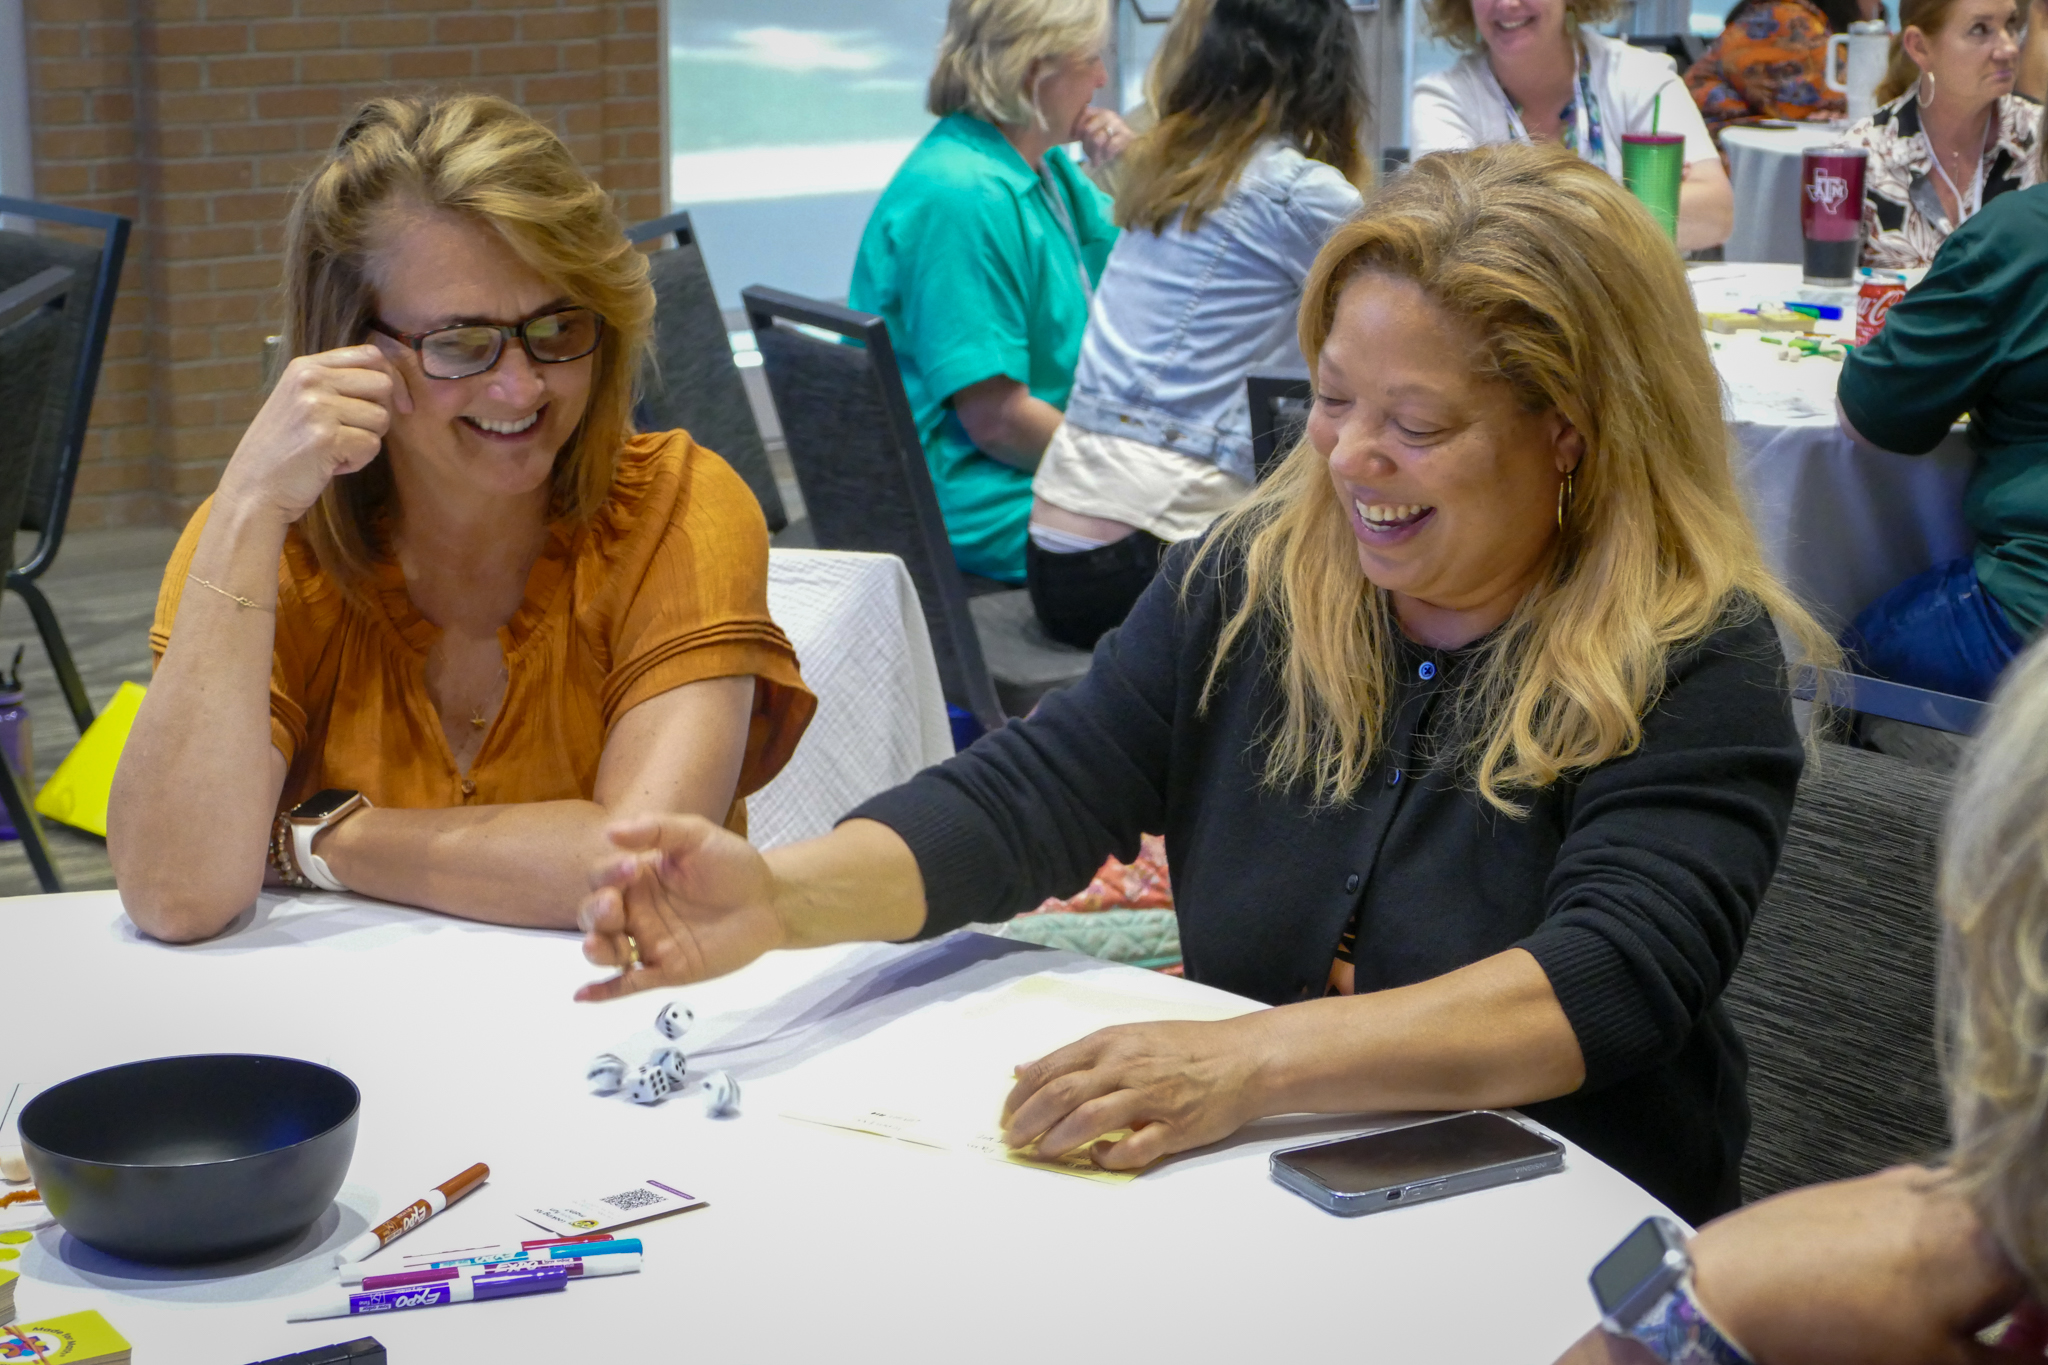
(670, 1062)
(674, 1020)
(721, 1095)
(649, 1085)
(606, 1074)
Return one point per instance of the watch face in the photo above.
(321, 805)
(1630, 1266)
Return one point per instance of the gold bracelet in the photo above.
(239, 601)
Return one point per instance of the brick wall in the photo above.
(194, 117)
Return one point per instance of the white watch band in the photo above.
(311, 864)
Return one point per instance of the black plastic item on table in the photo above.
(362, 1351)
(187, 1159)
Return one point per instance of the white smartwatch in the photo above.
(303, 823)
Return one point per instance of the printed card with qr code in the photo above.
(601, 1213)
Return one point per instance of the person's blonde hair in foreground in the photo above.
(1469, 736)
(445, 615)
(1911, 1265)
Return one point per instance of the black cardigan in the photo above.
(1633, 884)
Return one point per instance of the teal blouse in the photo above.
(1973, 337)
(976, 276)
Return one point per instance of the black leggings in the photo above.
(1081, 595)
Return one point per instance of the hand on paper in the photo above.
(1103, 135)
(1893, 1267)
(696, 898)
(327, 416)
(1173, 1085)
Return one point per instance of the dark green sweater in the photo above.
(1973, 337)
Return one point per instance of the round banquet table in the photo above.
(1763, 168)
(1841, 524)
(818, 1243)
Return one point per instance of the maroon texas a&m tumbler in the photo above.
(1831, 212)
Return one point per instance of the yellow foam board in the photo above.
(76, 793)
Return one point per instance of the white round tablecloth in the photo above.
(1763, 168)
(1840, 523)
(818, 1244)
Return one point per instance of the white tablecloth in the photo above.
(861, 641)
(1763, 168)
(1840, 524)
(818, 1244)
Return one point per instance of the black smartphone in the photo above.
(1413, 1165)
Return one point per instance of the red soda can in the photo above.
(1874, 303)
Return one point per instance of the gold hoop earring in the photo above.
(1564, 497)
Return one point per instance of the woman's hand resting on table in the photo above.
(696, 899)
(327, 416)
(1173, 1085)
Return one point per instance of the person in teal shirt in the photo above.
(982, 253)
(1972, 337)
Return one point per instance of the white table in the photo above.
(1763, 168)
(861, 641)
(1841, 524)
(818, 1244)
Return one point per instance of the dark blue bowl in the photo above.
(185, 1159)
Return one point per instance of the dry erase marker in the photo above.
(538, 1256)
(541, 1280)
(415, 1258)
(413, 1214)
(594, 1268)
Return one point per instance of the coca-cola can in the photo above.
(1831, 212)
(1874, 301)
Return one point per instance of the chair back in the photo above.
(862, 468)
(1835, 994)
(31, 325)
(75, 344)
(1279, 411)
(693, 383)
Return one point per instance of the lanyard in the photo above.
(1058, 204)
(1585, 135)
(1966, 205)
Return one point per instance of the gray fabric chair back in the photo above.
(693, 384)
(32, 332)
(861, 466)
(1279, 412)
(76, 348)
(1835, 994)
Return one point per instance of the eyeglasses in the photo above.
(474, 347)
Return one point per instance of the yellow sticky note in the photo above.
(76, 793)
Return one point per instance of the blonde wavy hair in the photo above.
(1580, 305)
(486, 159)
(1994, 986)
(995, 52)
(1452, 21)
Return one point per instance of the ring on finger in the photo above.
(632, 953)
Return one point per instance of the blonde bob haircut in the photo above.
(1994, 984)
(1575, 300)
(486, 159)
(1452, 21)
(996, 52)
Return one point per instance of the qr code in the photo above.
(633, 1199)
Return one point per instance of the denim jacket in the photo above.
(1180, 318)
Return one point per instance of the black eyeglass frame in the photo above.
(506, 331)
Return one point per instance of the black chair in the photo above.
(694, 384)
(61, 416)
(31, 327)
(866, 487)
(1279, 411)
(1867, 696)
(1835, 995)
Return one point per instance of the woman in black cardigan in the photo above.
(1468, 733)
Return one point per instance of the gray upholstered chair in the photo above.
(1835, 993)
(866, 487)
(694, 384)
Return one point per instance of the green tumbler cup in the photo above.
(1652, 164)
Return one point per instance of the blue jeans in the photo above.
(1939, 630)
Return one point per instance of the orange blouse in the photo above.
(667, 584)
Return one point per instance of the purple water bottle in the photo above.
(15, 737)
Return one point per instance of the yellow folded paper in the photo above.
(76, 793)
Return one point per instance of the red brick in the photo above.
(212, 176)
(388, 32)
(109, 40)
(51, 111)
(273, 104)
(201, 40)
(54, 44)
(432, 64)
(233, 73)
(202, 107)
(234, 139)
(297, 35)
(474, 28)
(82, 74)
(555, 25)
(191, 244)
(587, 88)
(326, 68)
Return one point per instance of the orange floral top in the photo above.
(1768, 63)
(667, 584)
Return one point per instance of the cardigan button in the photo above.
(1351, 885)
(1427, 671)
(468, 787)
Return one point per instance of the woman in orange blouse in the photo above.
(445, 616)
